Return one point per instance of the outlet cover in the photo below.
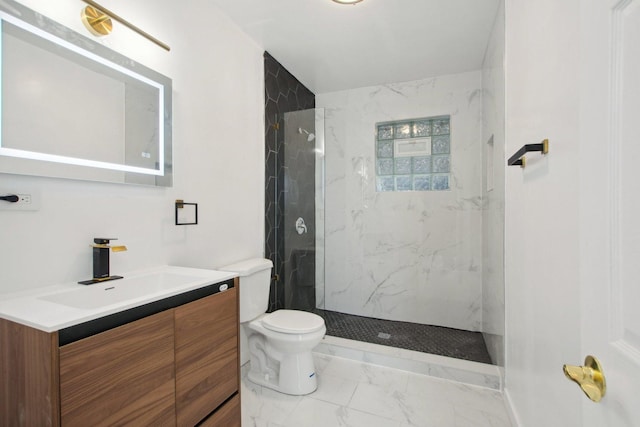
(28, 200)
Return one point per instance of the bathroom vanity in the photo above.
(163, 353)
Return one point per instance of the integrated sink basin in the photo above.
(117, 291)
(56, 307)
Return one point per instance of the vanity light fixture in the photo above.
(347, 1)
(97, 19)
(98, 23)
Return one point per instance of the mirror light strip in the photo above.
(23, 154)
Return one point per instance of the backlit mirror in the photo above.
(73, 108)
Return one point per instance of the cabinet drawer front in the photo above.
(123, 376)
(229, 415)
(206, 333)
(28, 376)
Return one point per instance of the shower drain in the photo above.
(384, 336)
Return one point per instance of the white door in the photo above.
(610, 205)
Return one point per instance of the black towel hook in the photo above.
(518, 159)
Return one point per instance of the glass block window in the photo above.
(413, 155)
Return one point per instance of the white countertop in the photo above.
(56, 307)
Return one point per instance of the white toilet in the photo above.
(279, 343)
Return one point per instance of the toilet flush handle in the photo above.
(300, 226)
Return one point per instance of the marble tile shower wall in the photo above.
(283, 94)
(413, 255)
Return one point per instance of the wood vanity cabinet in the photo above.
(179, 366)
(227, 416)
(206, 355)
(121, 376)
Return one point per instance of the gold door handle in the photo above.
(589, 377)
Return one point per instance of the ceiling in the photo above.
(331, 47)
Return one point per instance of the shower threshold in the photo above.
(437, 340)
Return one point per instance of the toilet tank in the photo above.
(255, 278)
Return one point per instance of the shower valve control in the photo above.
(300, 226)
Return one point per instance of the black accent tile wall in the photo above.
(283, 94)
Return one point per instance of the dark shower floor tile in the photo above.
(438, 340)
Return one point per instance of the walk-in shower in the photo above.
(383, 215)
(402, 267)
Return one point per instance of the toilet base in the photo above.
(297, 375)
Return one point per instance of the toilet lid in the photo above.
(293, 322)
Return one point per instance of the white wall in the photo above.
(218, 138)
(410, 256)
(493, 192)
(541, 216)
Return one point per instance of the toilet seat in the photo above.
(293, 322)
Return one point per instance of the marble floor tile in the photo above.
(470, 417)
(389, 378)
(334, 389)
(320, 361)
(379, 401)
(316, 413)
(358, 394)
(464, 395)
(264, 404)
